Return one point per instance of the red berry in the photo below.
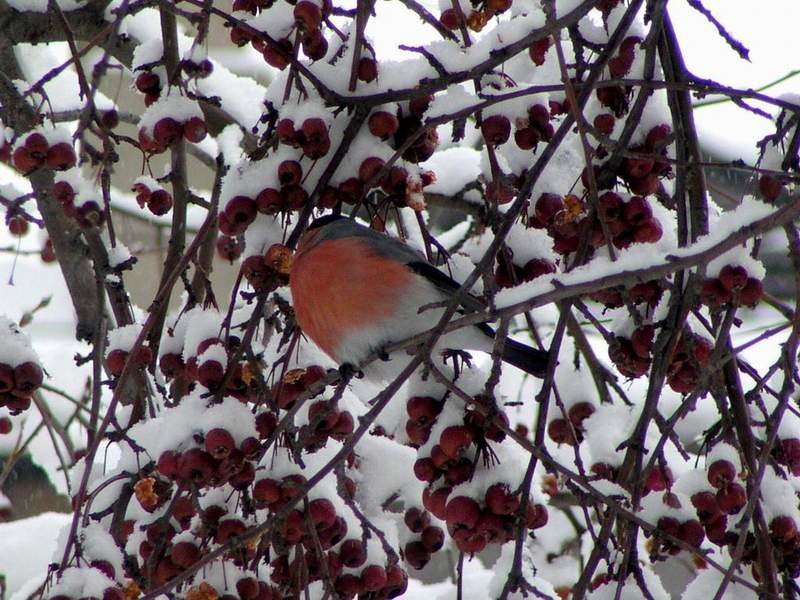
(423, 409)
(315, 45)
(322, 513)
(721, 473)
(167, 463)
(373, 578)
(167, 131)
(367, 69)
(432, 538)
(769, 187)
(536, 516)
(527, 138)
(18, 226)
(383, 124)
(648, 232)
(538, 49)
(219, 442)
(267, 491)
(195, 130)
(783, 528)
(61, 157)
(24, 161)
(28, 377)
(706, 505)
(370, 168)
(148, 83)
(115, 362)
(604, 123)
(241, 211)
(269, 201)
(496, 129)
(416, 520)
(159, 202)
(455, 439)
(210, 374)
(197, 466)
(731, 498)
(500, 500)
(560, 431)
(691, 532)
(416, 555)
(579, 412)
(547, 207)
(185, 554)
(290, 172)
(307, 15)
(752, 292)
(247, 588)
(278, 55)
(462, 512)
(352, 553)
(449, 18)
(48, 253)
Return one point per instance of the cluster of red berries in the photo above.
(528, 132)
(713, 508)
(508, 274)
(117, 358)
(148, 193)
(482, 11)
(688, 361)
(17, 385)
(570, 430)
(471, 526)
(207, 366)
(325, 421)
(689, 531)
(632, 356)
(561, 217)
(308, 19)
(428, 537)
(616, 97)
(220, 460)
(35, 151)
(648, 293)
(627, 222)
(297, 382)
(733, 286)
(312, 138)
(317, 528)
(368, 580)
(88, 213)
(149, 84)
(410, 126)
(266, 272)
(168, 131)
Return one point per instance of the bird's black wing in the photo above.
(448, 285)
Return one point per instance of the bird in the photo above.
(356, 290)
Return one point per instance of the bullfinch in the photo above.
(356, 290)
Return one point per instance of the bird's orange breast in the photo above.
(340, 287)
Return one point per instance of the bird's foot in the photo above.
(461, 359)
(383, 354)
(348, 370)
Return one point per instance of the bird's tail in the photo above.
(525, 358)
